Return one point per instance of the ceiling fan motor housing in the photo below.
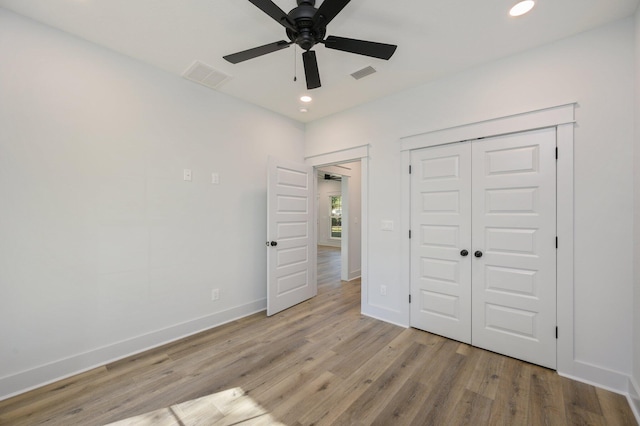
(308, 33)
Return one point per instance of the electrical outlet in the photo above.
(215, 294)
(383, 290)
(215, 178)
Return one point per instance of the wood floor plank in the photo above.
(433, 413)
(439, 358)
(511, 401)
(318, 363)
(614, 408)
(448, 383)
(299, 399)
(47, 397)
(273, 391)
(485, 380)
(369, 405)
(327, 410)
(404, 405)
(361, 347)
(218, 340)
(546, 401)
(312, 356)
(580, 395)
(162, 417)
(471, 409)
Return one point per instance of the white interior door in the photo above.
(441, 230)
(514, 227)
(291, 249)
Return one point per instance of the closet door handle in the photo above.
(478, 253)
(464, 253)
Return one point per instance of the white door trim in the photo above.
(538, 119)
(358, 153)
(340, 156)
(563, 118)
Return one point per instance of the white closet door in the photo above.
(514, 227)
(441, 229)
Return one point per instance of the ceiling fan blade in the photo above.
(271, 9)
(361, 47)
(234, 58)
(329, 9)
(311, 71)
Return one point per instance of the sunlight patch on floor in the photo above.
(228, 407)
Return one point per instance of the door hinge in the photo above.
(409, 233)
(409, 298)
(556, 332)
(409, 168)
(556, 242)
(556, 153)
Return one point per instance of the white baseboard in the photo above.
(634, 398)
(353, 275)
(330, 244)
(383, 313)
(614, 381)
(385, 320)
(39, 376)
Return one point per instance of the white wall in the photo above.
(104, 249)
(326, 188)
(635, 386)
(595, 69)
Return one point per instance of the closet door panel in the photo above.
(514, 227)
(441, 229)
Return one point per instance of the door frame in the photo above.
(561, 117)
(349, 155)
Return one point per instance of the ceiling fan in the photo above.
(306, 26)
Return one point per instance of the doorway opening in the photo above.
(358, 154)
(339, 213)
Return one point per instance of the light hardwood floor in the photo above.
(318, 363)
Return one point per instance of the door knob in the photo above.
(478, 253)
(274, 243)
(464, 253)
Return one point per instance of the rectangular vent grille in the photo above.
(203, 74)
(363, 72)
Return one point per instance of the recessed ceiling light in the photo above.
(522, 8)
(303, 109)
(306, 98)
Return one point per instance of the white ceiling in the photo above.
(434, 38)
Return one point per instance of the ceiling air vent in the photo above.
(205, 75)
(363, 72)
